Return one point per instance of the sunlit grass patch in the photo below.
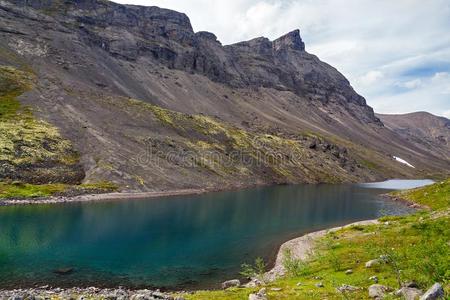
(17, 190)
(435, 196)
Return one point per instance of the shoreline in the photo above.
(406, 202)
(112, 196)
(105, 197)
(303, 247)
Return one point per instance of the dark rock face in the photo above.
(292, 40)
(131, 32)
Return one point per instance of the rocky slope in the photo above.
(430, 131)
(152, 105)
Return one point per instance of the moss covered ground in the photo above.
(24, 138)
(416, 246)
(35, 160)
(19, 190)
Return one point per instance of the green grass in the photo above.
(27, 191)
(416, 246)
(435, 196)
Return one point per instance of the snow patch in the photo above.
(401, 160)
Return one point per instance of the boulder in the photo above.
(409, 293)
(231, 283)
(347, 288)
(373, 263)
(254, 283)
(378, 291)
(261, 295)
(435, 292)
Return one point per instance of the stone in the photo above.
(313, 145)
(435, 292)
(409, 293)
(374, 279)
(261, 295)
(378, 291)
(347, 288)
(319, 284)
(64, 271)
(384, 258)
(254, 282)
(138, 297)
(372, 263)
(276, 289)
(231, 283)
(349, 271)
(299, 284)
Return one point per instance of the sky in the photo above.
(395, 53)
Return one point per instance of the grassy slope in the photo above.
(436, 196)
(18, 190)
(418, 245)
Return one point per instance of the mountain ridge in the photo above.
(93, 57)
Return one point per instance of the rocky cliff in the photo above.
(140, 94)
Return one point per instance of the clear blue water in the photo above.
(176, 242)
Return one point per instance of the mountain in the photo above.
(149, 104)
(422, 128)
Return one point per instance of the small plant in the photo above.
(294, 267)
(332, 256)
(389, 256)
(254, 271)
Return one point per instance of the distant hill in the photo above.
(422, 128)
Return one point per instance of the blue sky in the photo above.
(395, 53)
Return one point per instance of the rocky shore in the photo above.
(404, 201)
(44, 292)
(102, 197)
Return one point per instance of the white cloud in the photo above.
(370, 77)
(381, 46)
(411, 84)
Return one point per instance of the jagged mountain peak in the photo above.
(291, 40)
